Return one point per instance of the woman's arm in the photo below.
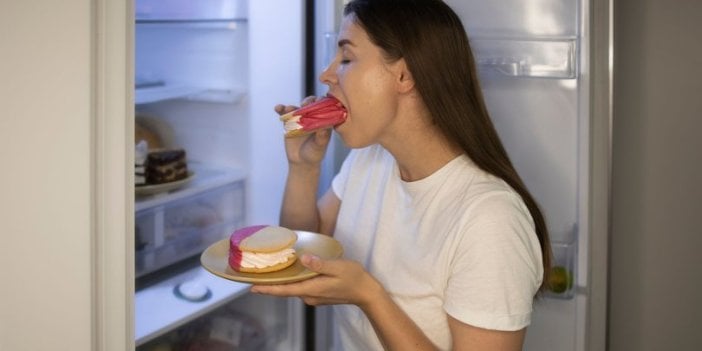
(397, 331)
(467, 338)
(300, 209)
(347, 282)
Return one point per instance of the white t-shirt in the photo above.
(459, 242)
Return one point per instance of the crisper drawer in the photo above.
(179, 229)
(248, 322)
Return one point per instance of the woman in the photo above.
(444, 246)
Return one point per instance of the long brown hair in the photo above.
(430, 37)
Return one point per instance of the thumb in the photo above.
(313, 263)
(322, 137)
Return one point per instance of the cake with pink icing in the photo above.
(261, 249)
(326, 112)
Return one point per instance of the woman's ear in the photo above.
(405, 81)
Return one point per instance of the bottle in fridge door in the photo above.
(209, 159)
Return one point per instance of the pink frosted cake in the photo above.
(261, 249)
(323, 113)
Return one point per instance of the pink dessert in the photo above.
(323, 113)
(261, 249)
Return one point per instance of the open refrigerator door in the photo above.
(533, 59)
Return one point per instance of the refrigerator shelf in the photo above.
(190, 12)
(535, 58)
(156, 93)
(205, 179)
(160, 310)
(217, 23)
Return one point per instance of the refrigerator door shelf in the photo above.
(161, 310)
(564, 270)
(164, 92)
(519, 17)
(536, 58)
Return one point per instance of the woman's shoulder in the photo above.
(485, 193)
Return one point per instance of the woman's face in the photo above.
(365, 83)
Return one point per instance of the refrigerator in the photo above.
(207, 75)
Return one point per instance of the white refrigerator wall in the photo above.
(237, 72)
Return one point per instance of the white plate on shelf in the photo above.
(146, 190)
(216, 260)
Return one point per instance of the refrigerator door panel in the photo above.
(518, 18)
(537, 121)
(533, 73)
(555, 325)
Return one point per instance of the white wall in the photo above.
(45, 200)
(656, 263)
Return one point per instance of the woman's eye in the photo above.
(344, 61)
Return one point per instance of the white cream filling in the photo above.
(292, 124)
(262, 260)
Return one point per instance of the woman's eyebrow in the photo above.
(343, 42)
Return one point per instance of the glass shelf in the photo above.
(205, 179)
(164, 92)
(537, 58)
(225, 23)
(191, 12)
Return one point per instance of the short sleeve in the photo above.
(497, 267)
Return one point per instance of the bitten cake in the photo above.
(166, 165)
(140, 153)
(262, 249)
(323, 113)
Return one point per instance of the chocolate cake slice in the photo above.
(164, 166)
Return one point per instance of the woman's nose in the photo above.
(328, 75)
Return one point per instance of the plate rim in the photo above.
(152, 189)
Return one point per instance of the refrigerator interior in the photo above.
(207, 77)
(246, 323)
(532, 58)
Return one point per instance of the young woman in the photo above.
(444, 246)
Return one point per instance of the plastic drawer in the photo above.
(176, 230)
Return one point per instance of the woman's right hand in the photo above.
(307, 150)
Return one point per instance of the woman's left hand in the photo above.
(339, 282)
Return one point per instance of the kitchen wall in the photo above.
(45, 194)
(655, 300)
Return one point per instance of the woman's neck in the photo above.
(420, 149)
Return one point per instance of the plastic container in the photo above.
(563, 268)
(179, 229)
